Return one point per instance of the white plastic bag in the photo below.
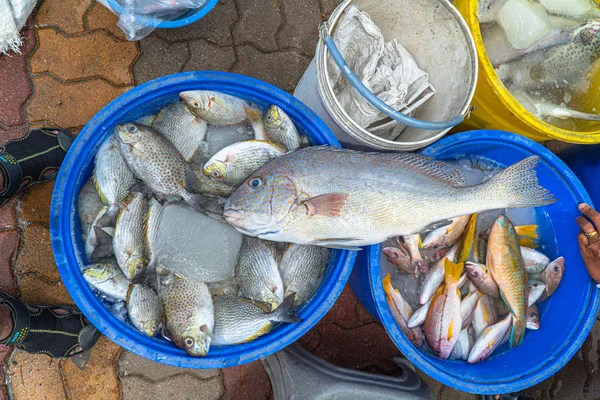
(13, 15)
(137, 18)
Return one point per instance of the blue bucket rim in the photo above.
(416, 356)
(65, 252)
(178, 23)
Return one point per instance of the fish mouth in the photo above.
(232, 216)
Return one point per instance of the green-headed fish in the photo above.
(233, 164)
(144, 308)
(240, 320)
(344, 199)
(128, 242)
(302, 269)
(281, 129)
(188, 312)
(107, 278)
(401, 311)
(185, 130)
(257, 273)
(216, 108)
(507, 267)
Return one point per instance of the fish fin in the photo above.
(104, 247)
(435, 169)
(192, 182)
(204, 329)
(452, 271)
(436, 225)
(528, 235)
(109, 218)
(266, 328)
(517, 186)
(517, 332)
(286, 311)
(253, 112)
(336, 244)
(387, 283)
(329, 205)
(450, 329)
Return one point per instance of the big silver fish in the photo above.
(344, 199)
(144, 308)
(128, 242)
(302, 269)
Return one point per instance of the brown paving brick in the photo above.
(66, 15)
(282, 69)
(3, 393)
(184, 387)
(36, 290)
(9, 243)
(259, 22)
(93, 55)
(36, 207)
(205, 55)
(246, 382)
(153, 63)
(302, 20)
(369, 343)
(100, 17)
(8, 213)
(36, 376)
(36, 256)
(69, 105)
(98, 380)
(311, 339)
(448, 393)
(12, 133)
(569, 381)
(363, 315)
(343, 311)
(132, 364)
(541, 391)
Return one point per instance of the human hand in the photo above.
(589, 240)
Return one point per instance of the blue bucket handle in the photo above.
(372, 98)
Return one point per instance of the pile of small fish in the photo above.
(544, 53)
(139, 170)
(482, 289)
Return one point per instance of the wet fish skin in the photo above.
(280, 128)
(255, 116)
(88, 206)
(482, 279)
(188, 318)
(489, 340)
(535, 262)
(467, 307)
(435, 278)
(257, 273)
(536, 289)
(447, 235)
(302, 269)
(484, 316)
(552, 277)
(401, 312)
(216, 108)
(182, 128)
(399, 257)
(418, 316)
(462, 347)
(313, 196)
(144, 308)
(128, 241)
(533, 317)
(507, 267)
(107, 278)
(413, 244)
(155, 213)
(239, 320)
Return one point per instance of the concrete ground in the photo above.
(73, 62)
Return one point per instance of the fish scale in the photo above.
(144, 308)
(302, 268)
(280, 128)
(128, 241)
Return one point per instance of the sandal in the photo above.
(34, 158)
(58, 331)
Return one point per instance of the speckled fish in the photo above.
(233, 164)
(399, 257)
(343, 198)
(482, 279)
(112, 177)
(188, 317)
(257, 273)
(551, 277)
(536, 289)
(155, 213)
(443, 323)
(418, 316)
(107, 278)
(302, 269)
(185, 130)
(463, 345)
(535, 262)
(401, 311)
(216, 108)
(447, 235)
(228, 287)
(485, 315)
(507, 267)
(158, 164)
(88, 206)
(240, 320)
(467, 307)
(413, 244)
(533, 317)
(128, 242)
(435, 278)
(489, 340)
(144, 308)
(98, 243)
(281, 129)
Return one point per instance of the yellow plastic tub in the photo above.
(496, 108)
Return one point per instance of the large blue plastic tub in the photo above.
(188, 18)
(566, 318)
(66, 231)
(585, 162)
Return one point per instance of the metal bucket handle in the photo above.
(373, 99)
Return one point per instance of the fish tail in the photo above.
(110, 217)
(387, 283)
(286, 311)
(452, 271)
(517, 332)
(528, 235)
(517, 186)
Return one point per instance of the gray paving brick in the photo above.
(569, 382)
(327, 6)
(282, 69)
(205, 55)
(133, 365)
(259, 22)
(214, 27)
(448, 393)
(159, 58)
(302, 20)
(180, 387)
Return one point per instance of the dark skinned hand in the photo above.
(590, 244)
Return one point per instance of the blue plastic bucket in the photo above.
(188, 18)
(585, 162)
(566, 317)
(77, 168)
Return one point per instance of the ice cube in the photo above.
(524, 22)
(195, 246)
(219, 137)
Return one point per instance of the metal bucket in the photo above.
(439, 40)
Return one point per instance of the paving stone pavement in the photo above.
(73, 62)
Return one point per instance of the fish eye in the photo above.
(475, 274)
(215, 174)
(131, 128)
(139, 267)
(196, 104)
(255, 183)
(153, 327)
(532, 315)
(188, 341)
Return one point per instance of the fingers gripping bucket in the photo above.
(77, 168)
(566, 318)
(439, 40)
